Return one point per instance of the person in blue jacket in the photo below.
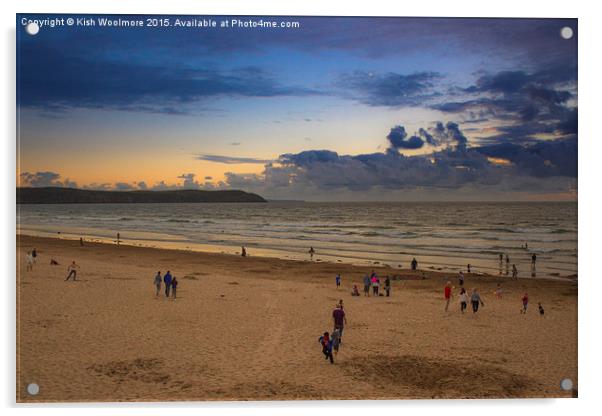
(167, 281)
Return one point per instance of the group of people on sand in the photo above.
(331, 341)
(170, 282)
(475, 298)
(373, 281)
(31, 259)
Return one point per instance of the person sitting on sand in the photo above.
(463, 300)
(339, 319)
(167, 281)
(525, 303)
(338, 280)
(355, 291)
(29, 262)
(387, 285)
(72, 269)
(53, 262)
(326, 347)
(447, 292)
(475, 299)
(414, 264)
(541, 311)
(174, 286)
(366, 285)
(158, 280)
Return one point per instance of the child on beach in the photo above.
(541, 311)
(475, 299)
(375, 285)
(174, 286)
(326, 347)
(447, 292)
(338, 280)
(498, 291)
(336, 340)
(525, 303)
(463, 300)
(72, 270)
(355, 291)
(158, 280)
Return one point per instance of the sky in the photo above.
(334, 109)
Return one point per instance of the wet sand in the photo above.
(248, 328)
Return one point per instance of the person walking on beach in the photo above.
(338, 280)
(243, 251)
(463, 300)
(158, 280)
(525, 303)
(167, 281)
(326, 343)
(507, 264)
(461, 278)
(339, 319)
(514, 272)
(29, 262)
(311, 253)
(533, 260)
(414, 264)
(387, 286)
(475, 299)
(468, 267)
(174, 286)
(72, 270)
(447, 293)
(366, 285)
(336, 341)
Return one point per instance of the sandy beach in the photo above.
(248, 328)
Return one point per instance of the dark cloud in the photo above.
(41, 179)
(231, 160)
(388, 90)
(131, 85)
(398, 139)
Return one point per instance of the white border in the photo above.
(589, 213)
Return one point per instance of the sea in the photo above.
(444, 236)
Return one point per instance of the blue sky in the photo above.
(339, 108)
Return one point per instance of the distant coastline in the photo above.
(57, 195)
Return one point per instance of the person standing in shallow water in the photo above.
(414, 264)
(158, 280)
(311, 253)
(533, 260)
(507, 265)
